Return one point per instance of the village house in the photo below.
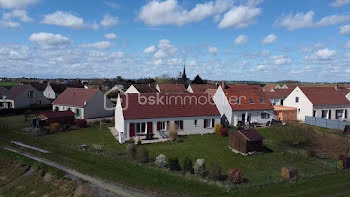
(141, 116)
(22, 96)
(171, 88)
(277, 96)
(200, 88)
(270, 87)
(141, 88)
(53, 90)
(85, 103)
(321, 102)
(243, 104)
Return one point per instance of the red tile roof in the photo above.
(200, 88)
(252, 135)
(3, 91)
(75, 97)
(245, 94)
(178, 105)
(57, 114)
(145, 88)
(211, 92)
(172, 88)
(268, 87)
(16, 91)
(325, 96)
(278, 93)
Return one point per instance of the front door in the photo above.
(243, 119)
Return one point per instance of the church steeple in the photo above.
(184, 73)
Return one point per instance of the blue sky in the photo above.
(266, 40)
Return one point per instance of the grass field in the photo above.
(111, 164)
(8, 85)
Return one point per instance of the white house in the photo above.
(139, 115)
(22, 96)
(53, 90)
(141, 88)
(348, 96)
(278, 96)
(322, 102)
(243, 104)
(85, 103)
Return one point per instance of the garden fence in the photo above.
(331, 124)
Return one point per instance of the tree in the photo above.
(198, 80)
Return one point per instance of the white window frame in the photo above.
(163, 126)
(177, 122)
(337, 112)
(210, 125)
(196, 123)
(265, 115)
(138, 128)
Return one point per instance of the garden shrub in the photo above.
(139, 141)
(188, 167)
(340, 165)
(106, 121)
(131, 149)
(296, 135)
(81, 123)
(142, 155)
(161, 161)
(132, 140)
(217, 128)
(214, 172)
(235, 175)
(94, 123)
(200, 167)
(173, 164)
(55, 127)
(223, 132)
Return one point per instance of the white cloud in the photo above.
(48, 39)
(281, 60)
(20, 15)
(111, 36)
(241, 39)
(347, 45)
(65, 19)
(297, 21)
(9, 24)
(261, 68)
(11, 4)
(112, 4)
(333, 20)
(318, 45)
(239, 17)
(339, 3)
(109, 21)
(322, 54)
(269, 39)
(150, 50)
(212, 50)
(97, 45)
(345, 30)
(168, 12)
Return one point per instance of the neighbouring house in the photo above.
(243, 104)
(278, 95)
(38, 86)
(54, 90)
(171, 88)
(85, 103)
(103, 88)
(142, 115)
(246, 141)
(270, 87)
(200, 88)
(3, 91)
(22, 96)
(211, 92)
(348, 96)
(285, 114)
(321, 102)
(62, 117)
(141, 88)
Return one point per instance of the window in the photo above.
(196, 123)
(265, 115)
(298, 111)
(141, 128)
(238, 101)
(346, 113)
(161, 126)
(179, 124)
(209, 123)
(262, 101)
(314, 115)
(297, 99)
(329, 114)
(339, 114)
(77, 112)
(251, 101)
(324, 113)
(30, 94)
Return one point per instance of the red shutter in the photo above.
(132, 129)
(158, 126)
(149, 127)
(213, 122)
(205, 123)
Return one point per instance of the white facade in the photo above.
(348, 96)
(132, 89)
(233, 117)
(277, 101)
(97, 107)
(49, 92)
(304, 107)
(189, 89)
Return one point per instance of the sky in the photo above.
(252, 40)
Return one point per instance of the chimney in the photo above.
(337, 87)
(223, 85)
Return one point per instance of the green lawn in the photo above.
(7, 84)
(111, 163)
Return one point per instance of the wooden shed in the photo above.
(62, 117)
(246, 141)
(285, 114)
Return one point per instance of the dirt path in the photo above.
(117, 189)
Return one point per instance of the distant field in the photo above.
(7, 84)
